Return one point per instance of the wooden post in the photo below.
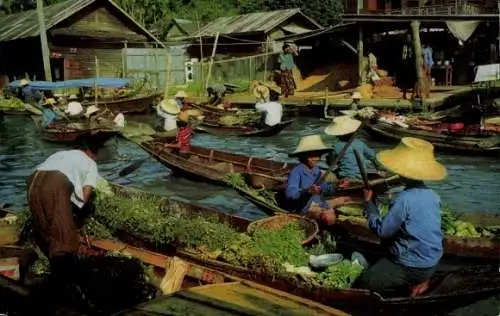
(167, 75)
(201, 54)
(419, 60)
(157, 73)
(360, 55)
(212, 60)
(43, 40)
(124, 60)
(265, 59)
(96, 78)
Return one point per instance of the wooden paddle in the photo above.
(361, 167)
(133, 166)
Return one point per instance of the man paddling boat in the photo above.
(64, 182)
(411, 231)
(268, 105)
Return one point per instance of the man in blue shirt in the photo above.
(304, 190)
(49, 116)
(29, 94)
(411, 231)
(343, 127)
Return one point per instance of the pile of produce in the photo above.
(11, 103)
(238, 181)
(168, 224)
(240, 118)
(450, 224)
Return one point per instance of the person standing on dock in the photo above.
(428, 64)
(268, 104)
(168, 110)
(304, 191)
(406, 78)
(411, 231)
(61, 185)
(287, 64)
(343, 128)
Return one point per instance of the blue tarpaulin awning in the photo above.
(77, 83)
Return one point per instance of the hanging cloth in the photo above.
(462, 30)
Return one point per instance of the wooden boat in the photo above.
(442, 142)
(138, 104)
(67, 134)
(216, 129)
(450, 288)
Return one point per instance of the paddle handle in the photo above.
(361, 167)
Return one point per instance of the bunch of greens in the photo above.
(11, 103)
(341, 275)
(237, 180)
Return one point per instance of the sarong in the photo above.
(49, 194)
(288, 85)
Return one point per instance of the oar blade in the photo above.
(131, 168)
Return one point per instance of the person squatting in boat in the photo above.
(343, 127)
(267, 104)
(59, 188)
(182, 143)
(411, 231)
(304, 189)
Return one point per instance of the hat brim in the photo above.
(420, 170)
(335, 130)
(306, 152)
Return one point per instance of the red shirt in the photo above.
(184, 139)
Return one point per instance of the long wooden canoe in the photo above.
(220, 130)
(442, 142)
(68, 134)
(450, 288)
(138, 104)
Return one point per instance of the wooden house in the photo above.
(82, 35)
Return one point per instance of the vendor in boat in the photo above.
(411, 231)
(49, 115)
(182, 143)
(356, 99)
(74, 107)
(343, 127)
(168, 110)
(28, 93)
(303, 192)
(217, 93)
(59, 188)
(180, 98)
(268, 104)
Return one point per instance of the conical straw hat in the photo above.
(170, 106)
(310, 143)
(261, 93)
(356, 95)
(414, 159)
(342, 125)
(180, 94)
(24, 82)
(91, 110)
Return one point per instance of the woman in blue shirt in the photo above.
(304, 191)
(343, 127)
(411, 231)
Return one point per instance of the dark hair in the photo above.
(345, 137)
(274, 96)
(181, 123)
(91, 143)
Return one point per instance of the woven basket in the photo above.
(277, 222)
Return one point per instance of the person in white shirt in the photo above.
(60, 185)
(272, 110)
(168, 110)
(119, 120)
(74, 108)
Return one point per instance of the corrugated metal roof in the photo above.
(25, 24)
(249, 23)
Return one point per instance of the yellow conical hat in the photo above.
(342, 125)
(309, 144)
(414, 159)
(170, 106)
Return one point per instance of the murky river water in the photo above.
(473, 183)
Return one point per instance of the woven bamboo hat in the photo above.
(170, 106)
(414, 159)
(356, 95)
(342, 125)
(91, 110)
(181, 94)
(24, 82)
(261, 93)
(310, 143)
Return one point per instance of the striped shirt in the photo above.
(184, 139)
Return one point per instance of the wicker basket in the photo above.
(277, 222)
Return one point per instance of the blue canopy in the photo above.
(77, 83)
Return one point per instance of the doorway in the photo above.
(57, 69)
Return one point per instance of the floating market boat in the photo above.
(217, 129)
(486, 145)
(65, 133)
(449, 288)
(138, 104)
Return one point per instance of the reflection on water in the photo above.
(472, 185)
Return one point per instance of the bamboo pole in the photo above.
(360, 55)
(419, 60)
(167, 75)
(95, 82)
(265, 58)
(214, 49)
(43, 40)
(201, 54)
